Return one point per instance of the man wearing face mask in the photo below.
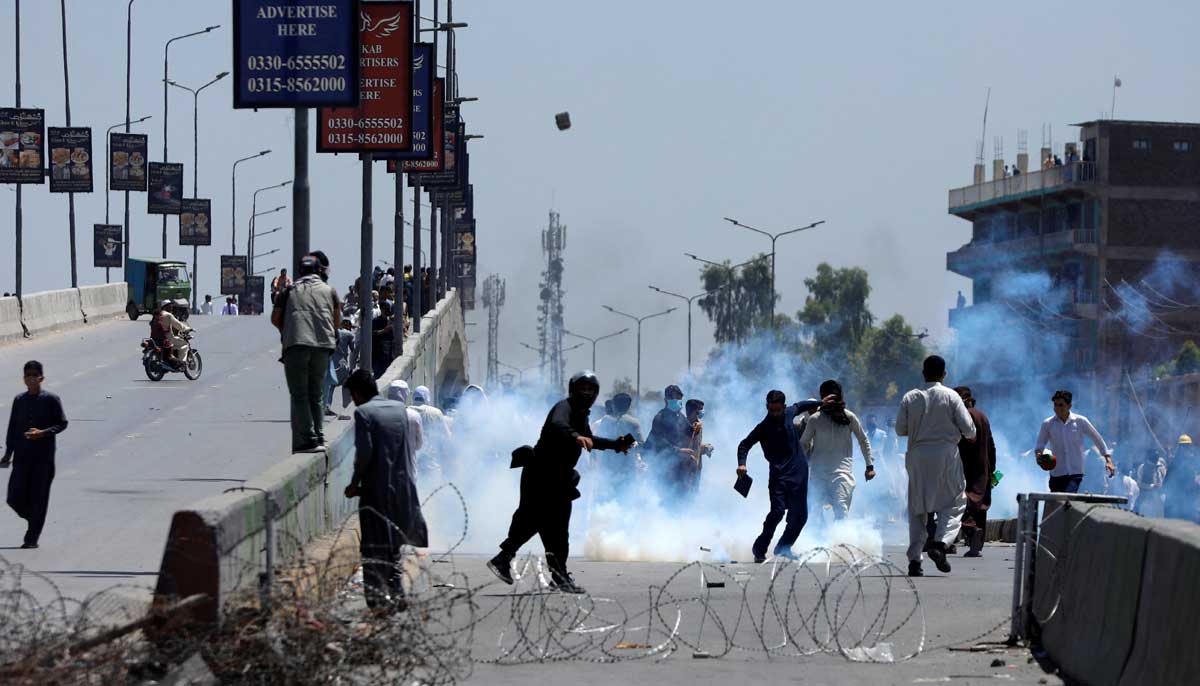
(549, 480)
(667, 444)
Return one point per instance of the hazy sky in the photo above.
(776, 113)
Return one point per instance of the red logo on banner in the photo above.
(381, 121)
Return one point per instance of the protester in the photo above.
(1181, 487)
(341, 364)
(935, 420)
(438, 437)
(690, 466)
(827, 442)
(207, 307)
(34, 423)
(398, 391)
(1149, 475)
(1125, 485)
(787, 485)
(389, 510)
(230, 308)
(1064, 432)
(978, 463)
(381, 340)
(279, 284)
(549, 481)
(615, 470)
(306, 313)
(667, 444)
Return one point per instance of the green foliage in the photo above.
(886, 360)
(835, 313)
(1187, 361)
(739, 301)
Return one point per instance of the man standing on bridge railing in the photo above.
(37, 418)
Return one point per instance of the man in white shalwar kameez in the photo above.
(934, 419)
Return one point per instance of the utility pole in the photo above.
(774, 237)
(17, 237)
(550, 319)
(67, 99)
(493, 300)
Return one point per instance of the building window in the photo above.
(1182, 146)
(1141, 144)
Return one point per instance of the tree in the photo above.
(1188, 360)
(887, 359)
(738, 301)
(835, 312)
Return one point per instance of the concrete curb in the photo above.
(11, 327)
(67, 308)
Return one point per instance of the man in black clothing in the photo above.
(667, 444)
(549, 480)
(37, 418)
(788, 483)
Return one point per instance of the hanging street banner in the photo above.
(421, 131)
(436, 153)
(295, 53)
(251, 300)
(22, 145)
(106, 245)
(446, 173)
(381, 121)
(233, 274)
(70, 159)
(127, 160)
(165, 181)
(194, 216)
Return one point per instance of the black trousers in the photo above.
(380, 549)
(790, 499)
(544, 510)
(1068, 483)
(29, 492)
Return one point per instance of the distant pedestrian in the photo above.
(279, 284)
(979, 461)
(230, 309)
(389, 510)
(398, 391)
(207, 307)
(37, 418)
(935, 419)
(1150, 474)
(306, 313)
(1064, 432)
(343, 361)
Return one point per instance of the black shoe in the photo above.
(972, 553)
(501, 566)
(914, 569)
(759, 559)
(565, 583)
(28, 546)
(937, 553)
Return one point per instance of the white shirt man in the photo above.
(206, 307)
(1064, 432)
(230, 308)
(934, 419)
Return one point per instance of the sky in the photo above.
(775, 113)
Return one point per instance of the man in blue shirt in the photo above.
(788, 482)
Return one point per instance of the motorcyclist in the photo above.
(165, 329)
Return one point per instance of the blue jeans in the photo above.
(1068, 483)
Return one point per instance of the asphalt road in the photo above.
(956, 608)
(135, 451)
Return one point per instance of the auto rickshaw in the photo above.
(152, 280)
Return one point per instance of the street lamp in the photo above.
(774, 237)
(196, 166)
(250, 232)
(233, 238)
(689, 301)
(253, 210)
(128, 85)
(167, 80)
(594, 341)
(639, 321)
(264, 254)
(520, 372)
(265, 233)
(264, 271)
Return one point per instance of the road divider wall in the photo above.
(10, 319)
(216, 546)
(103, 302)
(51, 310)
(1115, 596)
(54, 310)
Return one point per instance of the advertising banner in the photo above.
(22, 145)
(421, 130)
(464, 240)
(433, 162)
(106, 245)
(381, 121)
(127, 159)
(233, 274)
(252, 298)
(70, 159)
(295, 53)
(451, 138)
(165, 180)
(194, 217)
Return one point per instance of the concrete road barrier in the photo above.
(103, 302)
(50, 310)
(10, 319)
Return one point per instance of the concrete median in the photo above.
(10, 319)
(103, 302)
(51, 310)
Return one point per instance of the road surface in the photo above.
(135, 451)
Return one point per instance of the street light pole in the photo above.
(774, 237)
(689, 302)
(253, 214)
(639, 321)
(67, 100)
(166, 80)
(128, 75)
(17, 218)
(233, 201)
(594, 341)
(251, 236)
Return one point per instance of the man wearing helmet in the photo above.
(549, 480)
(164, 328)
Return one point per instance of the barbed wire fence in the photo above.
(835, 600)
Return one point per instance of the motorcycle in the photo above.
(157, 366)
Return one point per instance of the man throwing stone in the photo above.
(934, 419)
